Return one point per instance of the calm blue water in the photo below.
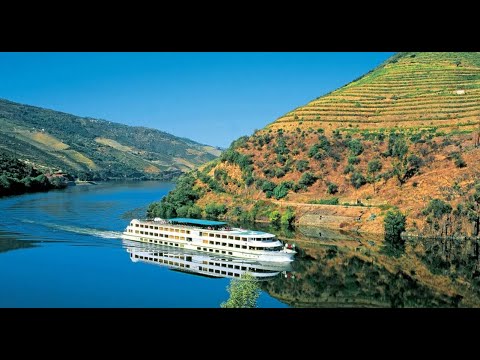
(62, 249)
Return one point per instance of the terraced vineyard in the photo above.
(413, 90)
(405, 134)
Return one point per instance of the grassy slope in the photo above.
(411, 94)
(76, 144)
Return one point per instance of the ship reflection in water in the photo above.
(214, 266)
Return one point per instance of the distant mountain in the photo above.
(403, 135)
(93, 148)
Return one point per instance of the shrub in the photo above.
(307, 179)
(374, 166)
(302, 165)
(332, 188)
(353, 160)
(280, 191)
(331, 201)
(355, 146)
(348, 169)
(458, 160)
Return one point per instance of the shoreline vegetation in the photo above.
(18, 178)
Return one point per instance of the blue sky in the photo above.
(212, 98)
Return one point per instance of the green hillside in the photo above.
(95, 149)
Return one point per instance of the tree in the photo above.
(244, 292)
(288, 217)
(274, 217)
(394, 225)
(358, 180)
(213, 210)
(374, 167)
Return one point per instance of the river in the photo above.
(63, 249)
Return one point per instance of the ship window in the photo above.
(216, 251)
(230, 245)
(211, 235)
(252, 248)
(224, 236)
(244, 246)
(244, 268)
(176, 244)
(237, 275)
(188, 231)
(136, 225)
(182, 231)
(200, 233)
(224, 273)
(237, 267)
(224, 265)
(217, 243)
(237, 246)
(217, 235)
(210, 270)
(230, 266)
(211, 242)
(230, 274)
(229, 253)
(223, 252)
(224, 244)
(136, 231)
(205, 249)
(177, 230)
(160, 228)
(199, 248)
(205, 241)
(210, 250)
(217, 271)
(244, 239)
(156, 227)
(187, 266)
(230, 237)
(237, 237)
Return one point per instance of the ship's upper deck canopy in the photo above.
(197, 222)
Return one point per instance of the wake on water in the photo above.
(78, 230)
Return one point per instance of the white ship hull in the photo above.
(230, 242)
(279, 256)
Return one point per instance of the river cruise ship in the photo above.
(214, 237)
(209, 265)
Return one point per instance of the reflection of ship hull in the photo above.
(204, 264)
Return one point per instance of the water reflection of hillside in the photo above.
(355, 271)
(204, 264)
(10, 241)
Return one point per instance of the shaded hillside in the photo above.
(406, 133)
(95, 148)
